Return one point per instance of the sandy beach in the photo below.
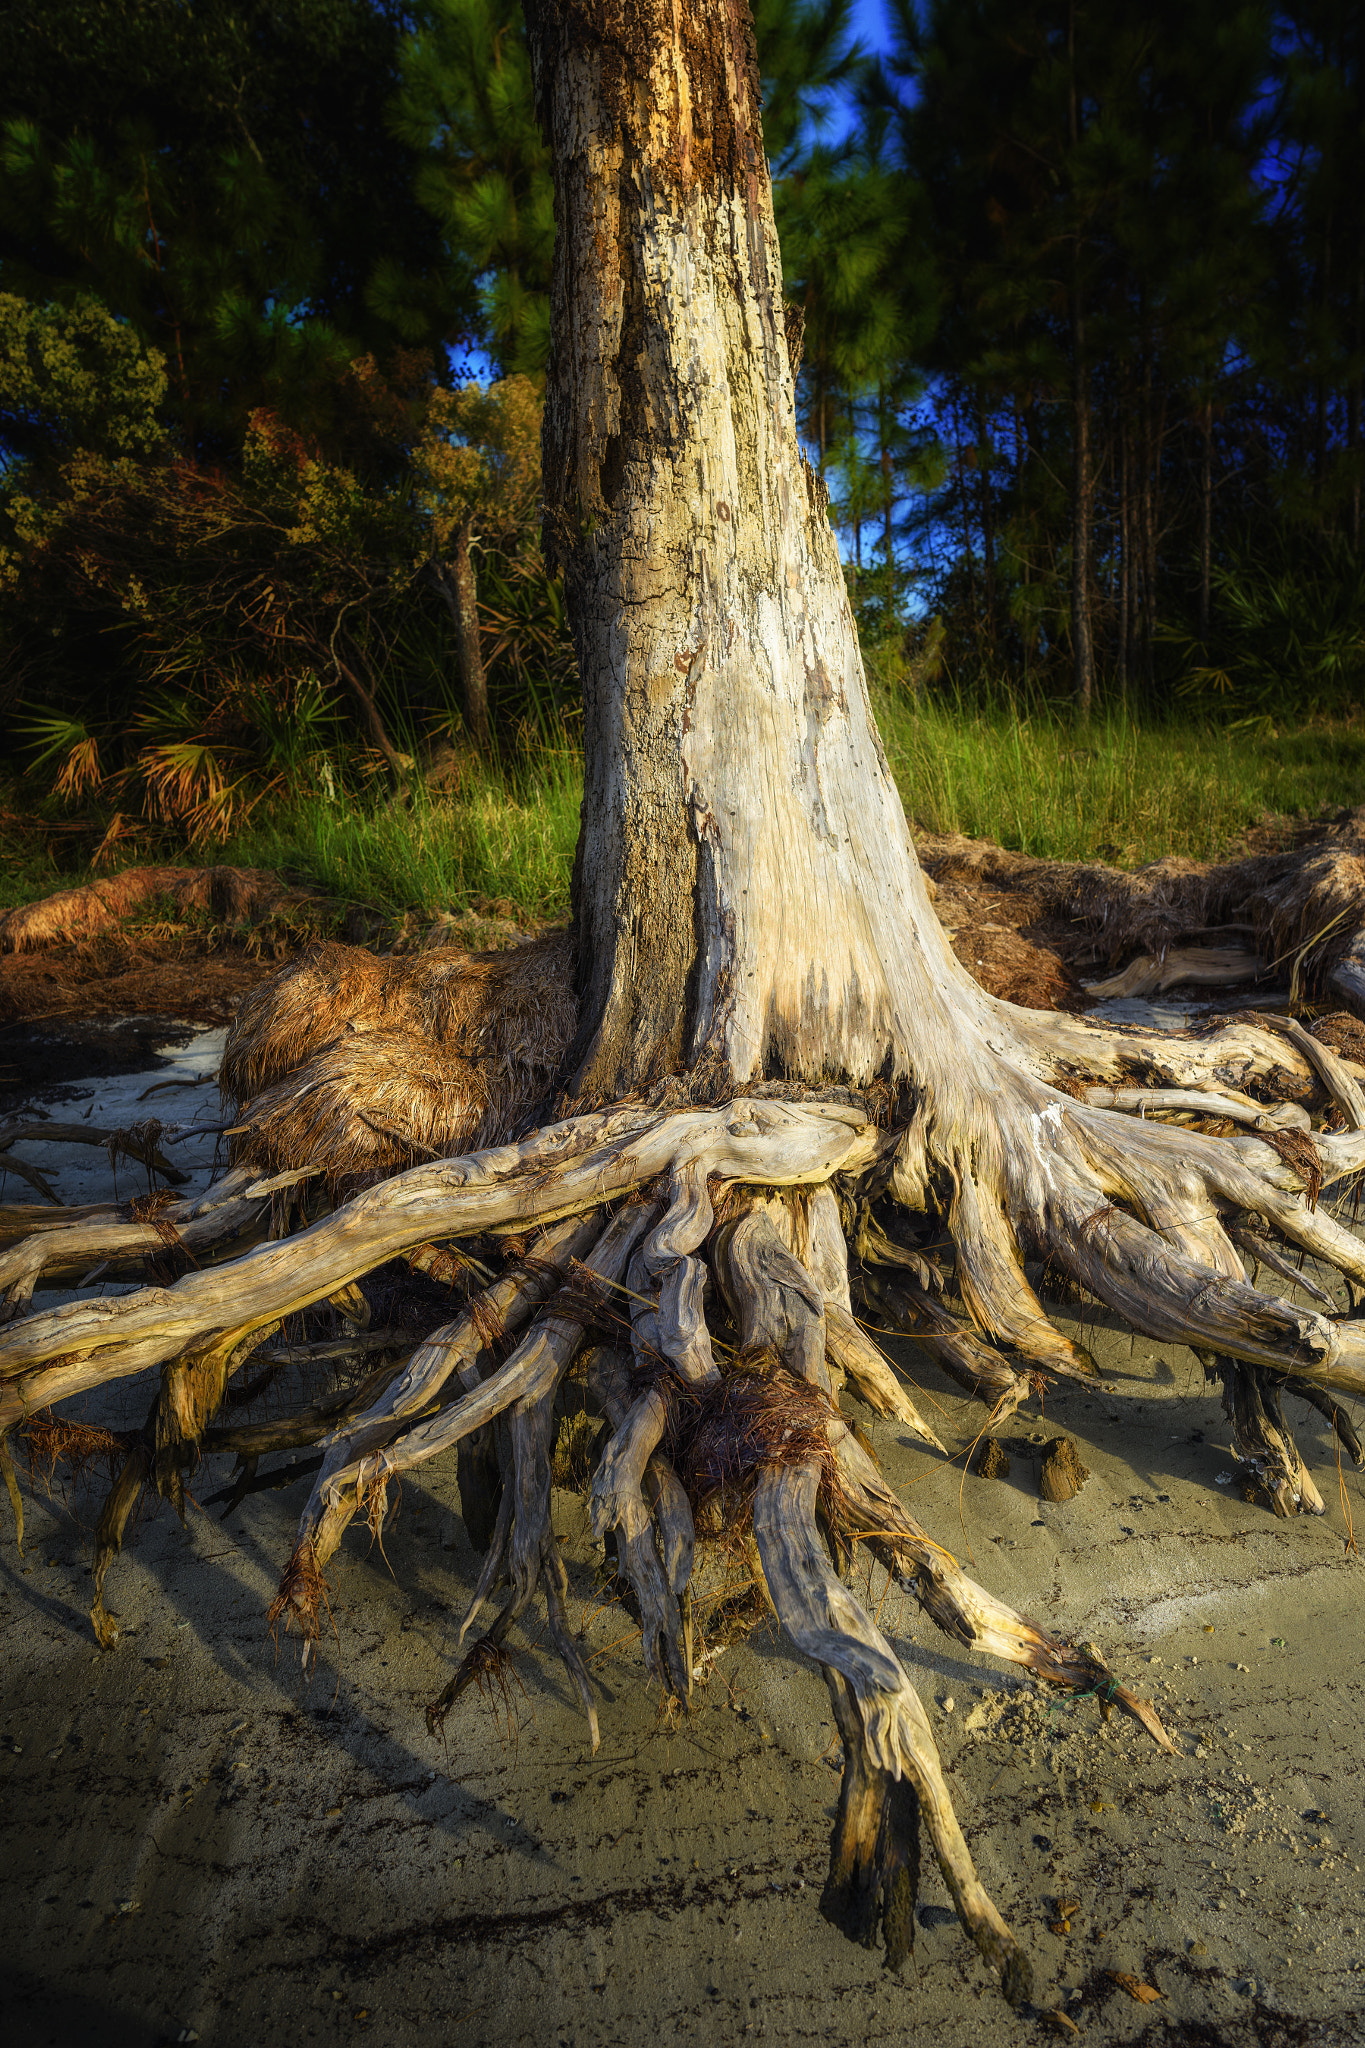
(201, 1842)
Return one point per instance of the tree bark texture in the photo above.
(745, 888)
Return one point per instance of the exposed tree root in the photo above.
(704, 1248)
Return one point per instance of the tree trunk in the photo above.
(1205, 522)
(983, 473)
(1125, 543)
(1082, 649)
(458, 586)
(745, 883)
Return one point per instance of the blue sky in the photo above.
(870, 22)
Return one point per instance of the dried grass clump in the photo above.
(365, 1107)
(363, 1066)
(760, 1413)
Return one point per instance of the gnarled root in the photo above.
(886, 1736)
(724, 1261)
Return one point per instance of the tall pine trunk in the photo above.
(1082, 484)
(1205, 520)
(1082, 647)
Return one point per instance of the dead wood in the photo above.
(138, 1142)
(1063, 1475)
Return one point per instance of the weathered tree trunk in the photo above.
(746, 892)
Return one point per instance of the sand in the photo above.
(202, 1843)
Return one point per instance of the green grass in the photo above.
(503, 842)
(1112, 791)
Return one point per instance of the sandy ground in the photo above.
(201, 1843)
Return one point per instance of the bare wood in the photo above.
(1227, 1102)
(773, 1297)
(669, 1262)
(458, 1349)
(964, 1610)
(892, 1733)
(1206, 966)
(1261, 1248)
(1262, 1442)
(78, 1239)
(131, 1144)
(533, 1370)
(559, 1172)
(854, 1352)
(1343, 1088)
(609, 1382)
(958, 1351)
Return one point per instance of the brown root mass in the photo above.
(759, 1413)
(354, 1065)
(1080, 913)
(231, 896)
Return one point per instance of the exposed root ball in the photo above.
(1307, 899)
(358, 1065)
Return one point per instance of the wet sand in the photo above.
(199, 1842)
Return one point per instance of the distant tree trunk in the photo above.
(1147, 508)
(1353, 389)
(968, 550)
(1205, 522)
(1082, 648)
(1125, 543)
(983, 472)
(1082, 484)
(458, 585)
(888, 500)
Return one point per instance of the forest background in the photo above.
(1081, 304)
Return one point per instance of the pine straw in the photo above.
(1298, 1151)
(233, 896)
(760, 1413)
(356, 1065)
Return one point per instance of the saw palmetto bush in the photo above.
(185, 641)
